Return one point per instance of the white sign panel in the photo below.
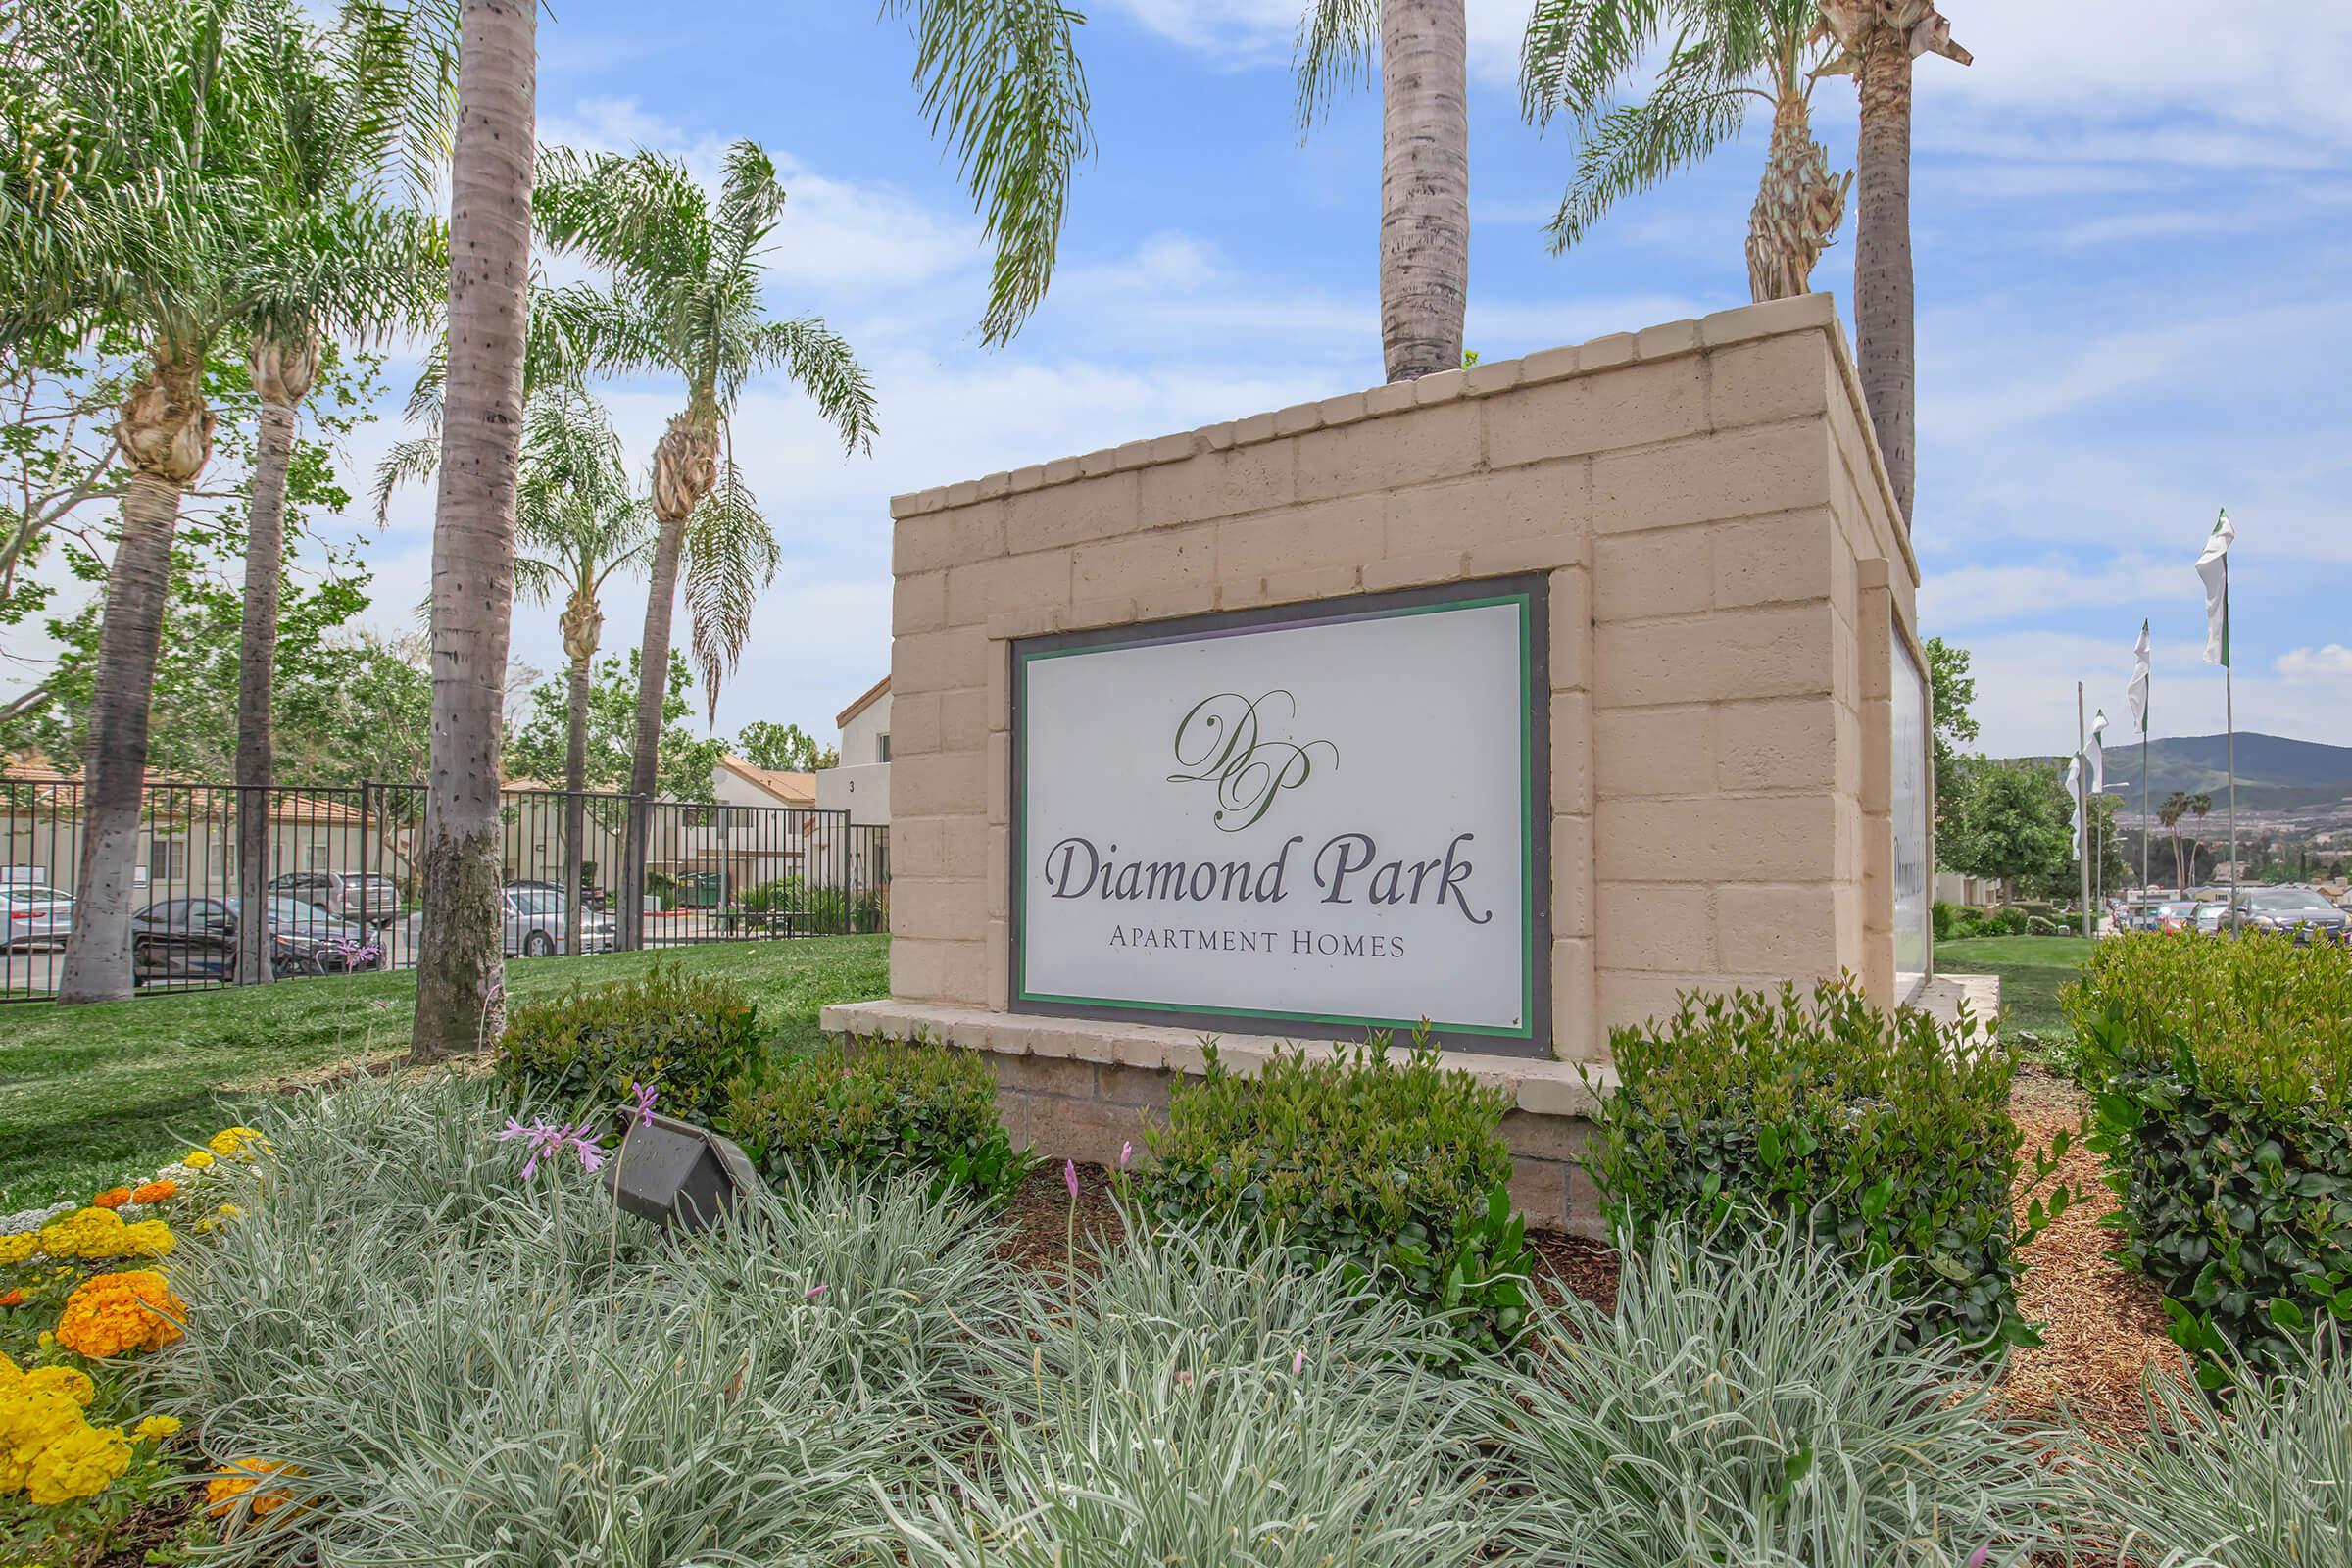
(1327, 819)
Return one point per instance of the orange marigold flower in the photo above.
(13, 1299)
(239, 1477)
(155, 1192)
(111, 1197)
(109, 1314)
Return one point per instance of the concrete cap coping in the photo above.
(1539, 1087)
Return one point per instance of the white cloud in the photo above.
(2332, 663)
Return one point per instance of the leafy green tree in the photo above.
(536, 748)
(578, 522)
(1720, 57)
(784, 748)
(2011, 824)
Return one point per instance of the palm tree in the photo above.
(179, 231)
(2200, 806)
(346, 101)
(2175, 806)
(1880, 38)
(686, 290)
(998, 79)
(1425, 161)
(1725, 53)
(576, 523)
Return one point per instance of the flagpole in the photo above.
(2083, 808)
(2229, 726)
(2145, 820)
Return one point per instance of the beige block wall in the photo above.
(1724, 562)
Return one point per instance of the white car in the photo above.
(31, 915)
(531, 925)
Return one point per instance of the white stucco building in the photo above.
(861, 785)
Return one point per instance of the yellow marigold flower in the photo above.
(73, 1384)
(232, 1142)
(155, 1427)
(239, 1477)
(148, 1238)
(109, 1314)
(18, 1247)
(155, 1192)
(111, 1197)
(219, 1217)
(30, 1420)
(197, 1159)
(79, 1464)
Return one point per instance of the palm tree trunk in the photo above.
(685, 468)
(1798, 206)
(460, 972)
(1424, 185)
(1883, 297)
(166, 431)
(575, 809)
(282, 377)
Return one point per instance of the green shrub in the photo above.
(2263, 1481)
(1389, 1165)
(1945, 915)
(844, 913)
(2222, 1075)
(687, 1035)
(883, 1105)
(2010, 920)
(783, 893)
(1758, 1407)
(1889, 1136)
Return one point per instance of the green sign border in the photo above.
(1531, 594)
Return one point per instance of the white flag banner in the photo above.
(2074, 796)
(2213, 566)
(2098, 754)
(2138, 691)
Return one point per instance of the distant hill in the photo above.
(2273, 772)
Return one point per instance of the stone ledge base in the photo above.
(1077, 1089)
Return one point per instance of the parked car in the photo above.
(34, 917)
(593, 899)
(531, 925)
(2169, 914)
(2298, 910)
(196, 938)
(346, 894)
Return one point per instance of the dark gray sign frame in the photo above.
(1535, 677)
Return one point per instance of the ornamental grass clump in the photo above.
(2259, 1479)
(1759, 1406)
(1385, 1164)
(1205, 1401)
(2221, 1073)
(431, 1359)
(1885, 1135)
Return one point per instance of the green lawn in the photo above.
(2032, 969)
(96, 1095)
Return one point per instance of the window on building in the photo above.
(166, 859)
(882, 746)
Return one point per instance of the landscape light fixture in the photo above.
(679, 1175)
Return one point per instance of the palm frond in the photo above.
(641, 215)
(1635, 147)
(820, 362)
(1002, 83)
(1337, 40)
(731, 555)
(408, 462)
(1574, 53)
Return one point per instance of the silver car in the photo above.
(531, 925)
(34, 917)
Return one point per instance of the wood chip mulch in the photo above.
(2103, 1325)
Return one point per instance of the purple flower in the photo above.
(1184, 1379)
(1980, 1557)
(814, 1292)
(1298, 1362)
(641, 1101)
(1126, 1153)
(547, 1140)
(1069, 1177)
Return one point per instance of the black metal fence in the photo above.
(344, 881)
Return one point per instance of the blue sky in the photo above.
(2132, 228)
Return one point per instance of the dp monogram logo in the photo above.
(1222, 742)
